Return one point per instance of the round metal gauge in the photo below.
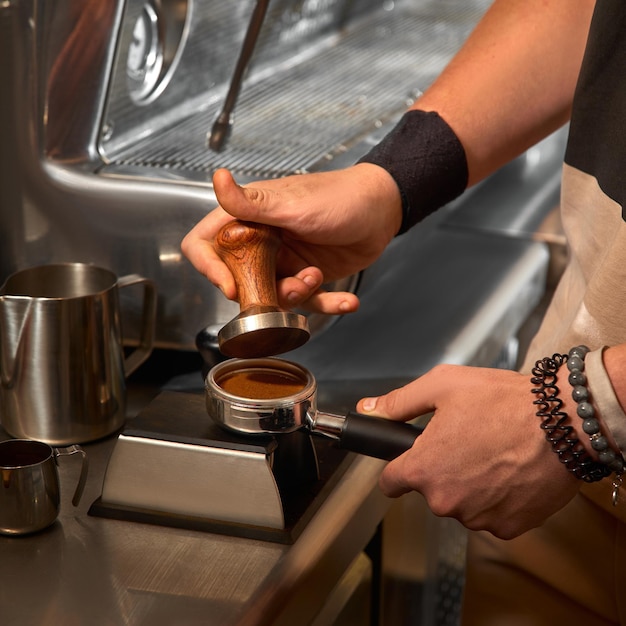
(145, 54)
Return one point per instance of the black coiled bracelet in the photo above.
(560, 435)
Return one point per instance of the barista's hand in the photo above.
(483, 458)
(334, 224)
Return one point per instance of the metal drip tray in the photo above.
(172, 466)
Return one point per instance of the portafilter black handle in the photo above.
(372, 436)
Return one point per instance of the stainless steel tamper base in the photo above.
(263, 334)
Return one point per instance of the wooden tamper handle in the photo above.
(249, 250)
(262, 327)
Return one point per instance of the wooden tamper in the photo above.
(262, 328)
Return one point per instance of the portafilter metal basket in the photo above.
(269, 395)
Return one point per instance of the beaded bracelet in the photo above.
(560, 435)
(611, 461)
(605, 401)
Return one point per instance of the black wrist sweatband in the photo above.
(427, 161)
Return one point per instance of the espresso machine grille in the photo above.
(299, 114)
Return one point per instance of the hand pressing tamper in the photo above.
(262, 328)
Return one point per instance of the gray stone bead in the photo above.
(607, 456)
(591, 426)
(577, 378)
(585, 409)
(580, 351)
(575, 363)
(580, 393)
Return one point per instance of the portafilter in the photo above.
(262, 396)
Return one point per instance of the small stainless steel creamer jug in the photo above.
(62, 366)
(30, 497)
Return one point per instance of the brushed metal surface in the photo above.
(185, 479)
(310, 570)
(462, 313)
(493, 209)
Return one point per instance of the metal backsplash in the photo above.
(104, 155)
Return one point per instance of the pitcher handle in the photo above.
(148, 321)
(84, 469)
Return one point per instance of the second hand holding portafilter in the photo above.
(262, 327)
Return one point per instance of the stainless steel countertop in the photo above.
(90, 570)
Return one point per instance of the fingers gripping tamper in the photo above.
(262, 328)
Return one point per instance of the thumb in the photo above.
(245, 203)
(401, 404)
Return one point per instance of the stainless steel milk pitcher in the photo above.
(62, 366)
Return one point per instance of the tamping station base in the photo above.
(173, 466)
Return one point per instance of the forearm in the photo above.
(513, 81)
